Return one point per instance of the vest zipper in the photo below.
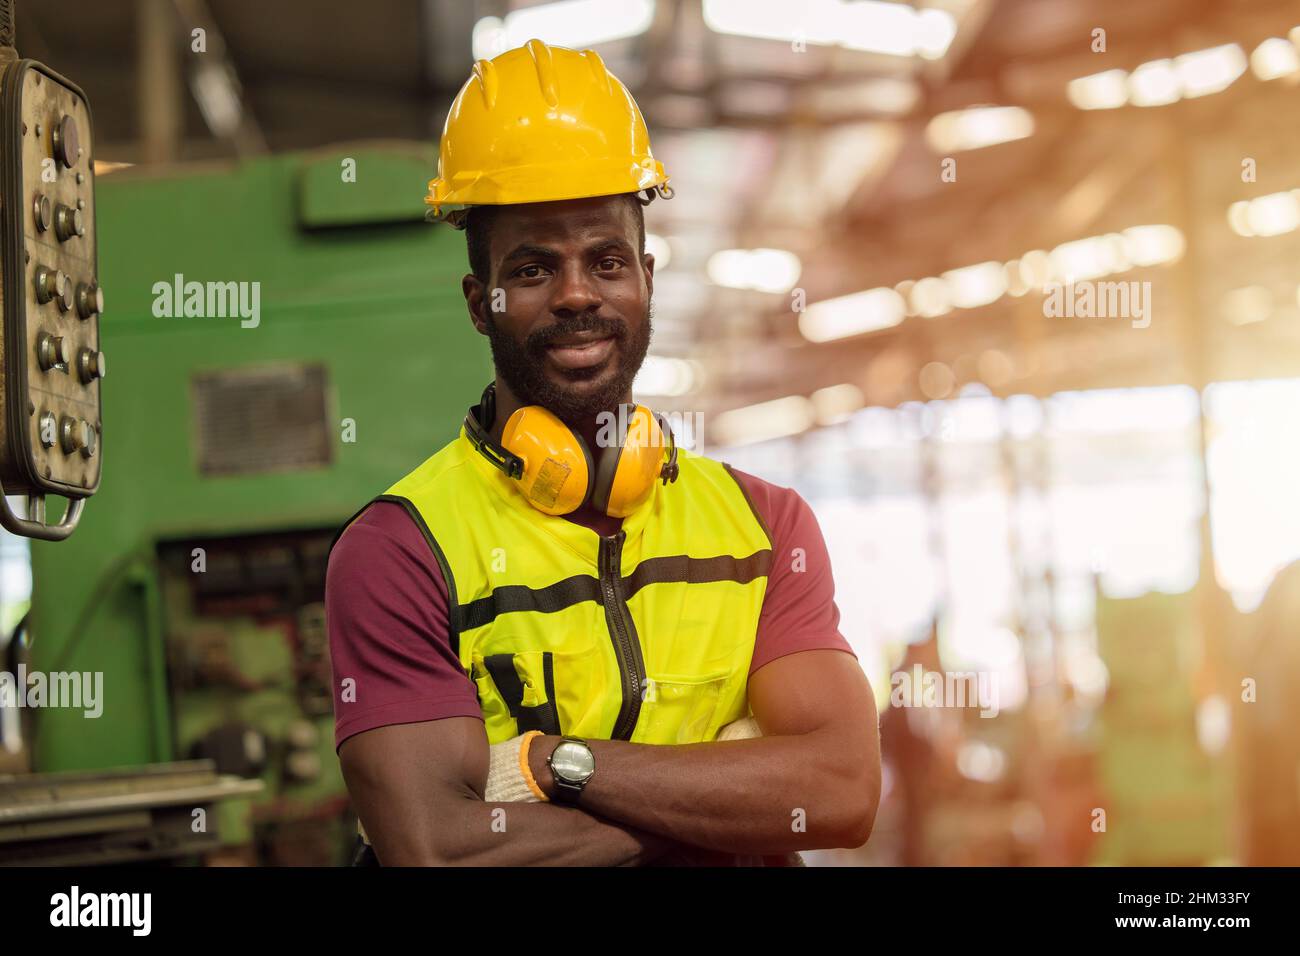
(622, 632)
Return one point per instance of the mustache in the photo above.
(540, 339)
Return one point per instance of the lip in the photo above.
(578, 352)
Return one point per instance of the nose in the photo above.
(576, 292)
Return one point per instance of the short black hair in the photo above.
(478, 234)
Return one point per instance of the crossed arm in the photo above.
(812, 781)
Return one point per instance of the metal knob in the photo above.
(90, 300)
(42, 211)
(47, 428)
(90, 365)
(68, 222)
(67, 144)
(51, 284)
(77, 435)
(51, 351)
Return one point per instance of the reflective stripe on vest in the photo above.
(646, 635)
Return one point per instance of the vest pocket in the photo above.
(680, 710)
(525, 683)
(557, 692)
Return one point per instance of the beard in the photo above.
(521, 366)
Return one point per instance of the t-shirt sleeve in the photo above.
(386, 610)
(799, 612)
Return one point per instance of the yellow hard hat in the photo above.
(541, 123)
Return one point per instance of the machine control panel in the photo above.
(50, 407)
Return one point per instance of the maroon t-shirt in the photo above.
(389, 628)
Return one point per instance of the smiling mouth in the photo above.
(580, 353)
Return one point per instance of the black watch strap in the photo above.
(566, 792)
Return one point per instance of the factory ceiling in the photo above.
(821, 149)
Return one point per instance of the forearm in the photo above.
(471, 832)
(478, 811)
(767, 795)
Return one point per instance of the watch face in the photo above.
(573, 762)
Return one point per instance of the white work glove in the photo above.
(740, 729)
(505, 782)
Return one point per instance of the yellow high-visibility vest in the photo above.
(646, 635)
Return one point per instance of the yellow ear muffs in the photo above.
(557, 466)
(627, 471)
(553, 464)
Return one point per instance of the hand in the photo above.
(741, 729)
(505, 781)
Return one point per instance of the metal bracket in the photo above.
(34, 526)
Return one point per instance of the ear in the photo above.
(475, 301)
(648, 265)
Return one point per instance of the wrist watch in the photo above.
(572, 765)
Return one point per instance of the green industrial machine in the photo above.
(285, 337)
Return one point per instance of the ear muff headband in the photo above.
(478, 422)
(605, 472)
(670, 469)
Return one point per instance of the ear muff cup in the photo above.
(557, 473)
(626, 475)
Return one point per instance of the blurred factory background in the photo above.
(1097, 513)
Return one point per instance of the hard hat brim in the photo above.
(553, 182)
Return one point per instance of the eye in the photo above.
(531, 271)
(609, 263)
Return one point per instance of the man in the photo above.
(549, 638)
